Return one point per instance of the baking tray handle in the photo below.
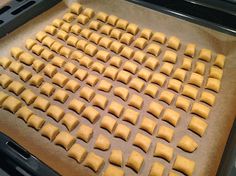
(18, 160)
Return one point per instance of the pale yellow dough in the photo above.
(171, 116)
(158, 78)
(184, 165)
(108, 123)
(159, 37)
(100, 101)
(154, 49)
(135, 161)
(136, 101)
(122, 131)
(35, 121)
(112, 19)
(106, 43)
(55, 112)
(75, 8)
(167, 96)
(190, 50)
(137, 84)
(205, 54)
(25, 75)
(5, 80)
(102, 143)
(113, 171)
(102, 16)
(104, 86)
(36, 80)
(87, 93)
(16, 87)
(142, 141)
(131, 116)
(106, 29)
(132, 28)
(187, 144)
(70, 121)
(116, 47)
(91, 114)
(126, 38)
(60, 95)
(170, 56)
(123, 76)
(164, 151)
(115, 108)
(116, 157)
(180, 74)
(174, 85)
(122, 24)
(140, 43)
(78, 152)
(146, 33)
(49, 131)
(93, 161)
(81, 74)
(47, 89)
(64, 139)
(201, 110)
(139, 56)
(151, 90)
(41, 103)
(84, 132)
(28, 96)
(121, 92)
(145, 74)
(157, 169)
(76, 105)
(190, 91)
(127, 52)
(116, 33)
(155, 108)
(152, 63)
(110, 72)
(165, 133)
(11, 104)
(60, 79)
(92, 79)
(95, 25)
(182, 103)
(148, 125)
(173, 42)
(24, 113)
(197, 125)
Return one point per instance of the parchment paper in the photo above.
(211, 145)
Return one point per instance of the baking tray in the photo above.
(18, 161)
(17, 12)
(219, 127)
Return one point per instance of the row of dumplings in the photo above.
(214, 72)
(77, 151)
(188, 48)
(87, 93)
(66, 140)
(213, 83)
(52, 132)
(90, 113)
(173, 42)
(220, 58)
(62, 138)
(150, 90)
(72, 85)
